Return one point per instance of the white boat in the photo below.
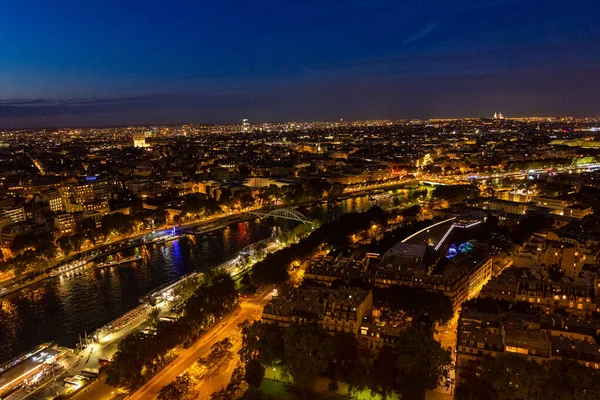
(118, 262)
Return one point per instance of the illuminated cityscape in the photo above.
(475, 218)
(317, 200)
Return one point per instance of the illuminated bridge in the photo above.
(286, 213)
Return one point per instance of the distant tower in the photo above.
(245, 125)
(495, 115)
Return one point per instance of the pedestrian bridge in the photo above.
(285, 213)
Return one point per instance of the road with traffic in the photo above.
(249, 309)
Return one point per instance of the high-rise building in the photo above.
(245, 125)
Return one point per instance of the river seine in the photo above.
(60, 309)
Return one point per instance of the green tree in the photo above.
(417, 302)
(218, 352)
(513, 377)
(274, 192)
(254, 373)
(383, 380)
(177, 389)
(262, 342)
(421, 362)
(88, 229)
(65, 244)
(455, 193)
(569, 380)
(154, 317)
(226, 198)
(359, 377)
(308, 349)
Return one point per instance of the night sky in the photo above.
(81, 63)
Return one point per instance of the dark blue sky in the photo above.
(65, 62)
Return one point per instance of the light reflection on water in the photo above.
(61, 308)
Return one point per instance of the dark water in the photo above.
(59, 309)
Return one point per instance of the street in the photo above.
(105, 348)
(228, 327)
(249, 309)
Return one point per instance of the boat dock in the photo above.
(28, 368)
(119, 262)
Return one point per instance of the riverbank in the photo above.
(103, 343)
(125, 244)
(105, 249)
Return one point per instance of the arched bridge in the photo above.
(286, 213)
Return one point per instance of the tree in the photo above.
(88, 229)
(139, 356)
(455, 193)
(154, 317)
(177, 389)
(250, 333)
(512, 376)
(254, 374)
(262, 342)
(243, 170)
(308, 349)
(411, 212)
(417, 302)
(226, 198)
(274, 268)
(65, 244)
(566, 379)
(271, 345)
(358, 378)
(229, 391)
(199, 205)
(246, 200)
(274, 191)
(383, 380)
(263, 196)
(245, 280)
(218, 352)
(336, 190)
(421, 362)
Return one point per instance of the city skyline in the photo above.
(453, 245)
(85, 65)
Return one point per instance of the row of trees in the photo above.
(513, 377)
(30, 248)
(195, 206)
(178, 389)
(40, 248)
(140, 356)
(274, 268)
(306, 352)
(420, 304)
(182, 385)
(455, 193)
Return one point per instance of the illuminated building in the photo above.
(15, 214)
(139, 140)
(461, 280)
(65, 224)
(537, 337)
(336, 311)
